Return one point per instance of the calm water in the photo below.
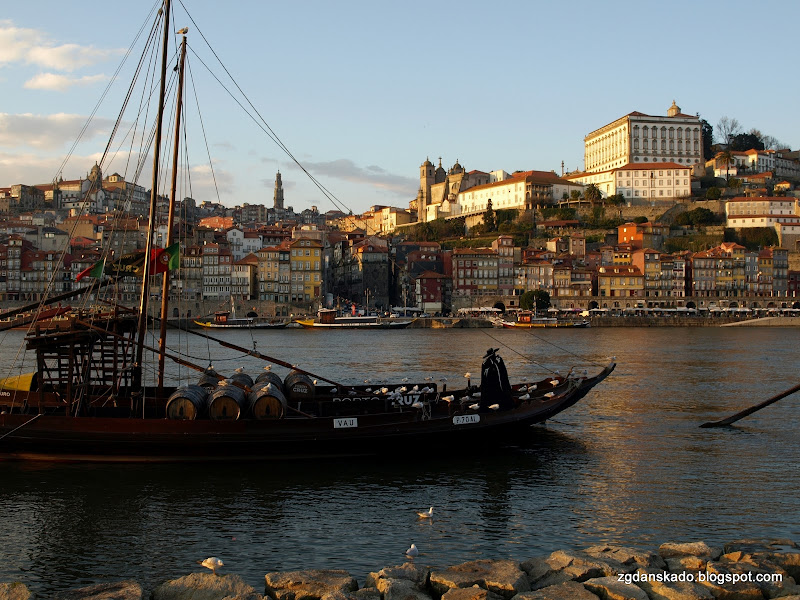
(627, 465)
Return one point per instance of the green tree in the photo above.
(708, 138)
(592, 193)
(489, 223)
(616, 199)
(575, 195)
(527, 300)
(726, 158)
(713, 193)
(534, 299)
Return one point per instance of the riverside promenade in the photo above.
(742, 569)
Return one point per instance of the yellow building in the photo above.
(305, 265)
(620, 281)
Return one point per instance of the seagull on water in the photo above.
(413, 551)
(213, 563)
(426, 514)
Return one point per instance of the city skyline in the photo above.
(363, 94)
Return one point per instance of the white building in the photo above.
(640, 138)
(644, 180)
(762, 212)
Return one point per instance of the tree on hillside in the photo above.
(575, 195)
(727, 129)
(726, 158)
(489, 223)
(592, 193)
(713, 193)
(747, 141)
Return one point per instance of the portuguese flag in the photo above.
(96, 270)
(165, 259)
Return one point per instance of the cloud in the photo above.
(48, 131)
(51, 81)
(31, 46)
(374, 176)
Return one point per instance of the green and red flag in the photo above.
(96, 270)
(165, 259)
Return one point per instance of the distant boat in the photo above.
(528, 319)
(327, 318)
(40, 317)
(227, 319)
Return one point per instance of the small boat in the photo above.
(24, 320)
(328, 319)
(527, 319)
(227, 319)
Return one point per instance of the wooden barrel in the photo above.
(298, 386)
(270, 377)
(209, 379)
(243, 379)
(188, 402)
(267, 401)
(226, 403)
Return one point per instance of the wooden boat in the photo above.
(38, 317)
(527, 319)
(227, 319)
(88, 398)
(328, 319)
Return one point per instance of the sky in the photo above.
(362, 93)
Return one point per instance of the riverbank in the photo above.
(676, 571)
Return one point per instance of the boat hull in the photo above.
(50, 437)
(246, 325)
(571, 324)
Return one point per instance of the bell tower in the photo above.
(277, 197)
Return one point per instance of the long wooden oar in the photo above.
(752, 409)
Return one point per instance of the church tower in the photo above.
(426, 180)
(277, 198)
(673, 110)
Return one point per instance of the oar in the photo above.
(752, 409)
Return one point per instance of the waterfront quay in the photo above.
(685, 571)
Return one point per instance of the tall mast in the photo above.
(171, 218)
(142, 330)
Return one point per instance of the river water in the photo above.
(627, 465)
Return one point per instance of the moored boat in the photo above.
(328, 319)
(527, 319)
(227, 319)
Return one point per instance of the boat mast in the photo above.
(171, 218)
(142, 324)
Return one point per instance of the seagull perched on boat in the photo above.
(415, 388)
(413, 551)
(448, 398)
(523, 388)
(494, 406)
(314, 382)
(183, 31)
(366, 381)
(476, 395)
(554, 382)
(426, 514)
(417, 404)
(467, 375)
(402, 390)
(550, 394)
(213, 563)
(533, 387)
(525, 397)
(404, 379)
(384, 390)
(523, 379)
(429, 378)
(475, 406)
(334, 390)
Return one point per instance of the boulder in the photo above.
(699, 549)
(16, 590)
(119, 590)
(662, 585)
(503, 577)
(536, 568)
(629, 557)
(574, 566)
(365, 593)
(403, 589)
(471, 593)
(569, 590)
(611, 588)
(690, 564)
(407, 571)
(206, 586)
(308, 585)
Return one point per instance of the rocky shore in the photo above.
(740, 570)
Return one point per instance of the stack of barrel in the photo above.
(237, 397)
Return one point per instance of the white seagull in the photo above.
(474, 406)
(416, 404)
(525, 397)
(494, 406)
(426, 514)
(412, 552)
(213, 563)
(467, 375)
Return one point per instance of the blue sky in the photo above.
(363, 92)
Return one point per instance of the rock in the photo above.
(611, 588)
(693, 564)
(714, 578)
(471, 593)
(366, 593)
(569, 590)
(15, 590)
(662, 585)
(408, 571)
(308, 585)
(630, 557)
(403, 589)
(536, 568)
(503, 577)
(119, 590)
(206, 586)
(699, 549)
(577, 566)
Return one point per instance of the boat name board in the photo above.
(354, 398)
(466, 419)
(345, 423)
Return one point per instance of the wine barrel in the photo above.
(226, 403)
(270, 377)
(267, 401)
(243, 379)
(188, 402)
(209, 379)
(298, 386)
